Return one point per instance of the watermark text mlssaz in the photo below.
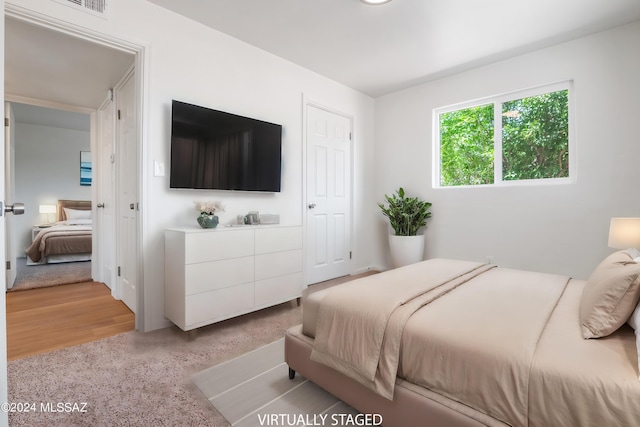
(66, 407)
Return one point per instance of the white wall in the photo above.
(558, 229)
(47, 168)
(195, 64)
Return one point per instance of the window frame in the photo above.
(497, 101)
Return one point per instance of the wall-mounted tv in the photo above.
(216, 150)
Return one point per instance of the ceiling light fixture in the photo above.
(375, 2)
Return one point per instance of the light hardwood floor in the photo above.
(41, 320)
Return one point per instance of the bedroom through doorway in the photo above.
(79, 83)
(46, 168)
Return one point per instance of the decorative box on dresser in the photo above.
(215, 274)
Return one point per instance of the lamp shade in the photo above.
(624, 233)
(47, 209)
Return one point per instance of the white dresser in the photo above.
(213, 275)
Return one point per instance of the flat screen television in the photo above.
(216, 150)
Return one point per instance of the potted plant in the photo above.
(406, 216)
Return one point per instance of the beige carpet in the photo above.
(254, 390)
(42, 276)
(141, 379)
(138, 379)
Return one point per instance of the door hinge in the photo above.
(350, 136)
(8, 265)
(118, 271)
(118, 114)
(350, 255)
(6, 122)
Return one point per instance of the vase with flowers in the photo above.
(208, 217)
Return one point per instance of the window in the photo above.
(517, 138)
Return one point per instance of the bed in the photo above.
(456, 343)
(69, 239)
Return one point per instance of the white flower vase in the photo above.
(406, 250)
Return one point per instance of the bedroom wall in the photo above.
(557, 229)
(47, 168)
(196, 64)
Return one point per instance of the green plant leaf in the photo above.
(406, 214)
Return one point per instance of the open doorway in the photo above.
(51, 150)
(48, 67)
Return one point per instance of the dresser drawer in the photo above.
(209, 307)
(278, 264)
(217, 245)
(209, 276)
(278, 289)
(278, 239)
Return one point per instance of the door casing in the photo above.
(141, 75)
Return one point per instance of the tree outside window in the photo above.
(507, 140)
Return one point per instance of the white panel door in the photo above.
(105, 224)
(126, 183)
(4, 418)
(328, 194)
(9, 187)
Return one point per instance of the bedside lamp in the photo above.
(624, 233)
(47, 209)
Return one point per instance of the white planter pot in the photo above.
(406, 249)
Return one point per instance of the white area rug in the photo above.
(255, 390)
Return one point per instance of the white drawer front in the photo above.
(278, 289)
(216, 245)
(278, 264)
(218, 305)
(278, 239)
(209, 276)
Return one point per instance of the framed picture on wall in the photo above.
(85, 168)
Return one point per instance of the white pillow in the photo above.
(77, 214)
(634, 322)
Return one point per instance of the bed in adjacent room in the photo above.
(67, 240)
(456, 343)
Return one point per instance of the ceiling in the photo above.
(384, 48)
(54, 67)
(42, 116)
(373, 49)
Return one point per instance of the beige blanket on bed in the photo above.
(504, 342)
(360, 324)
(38, 248)
(476, 345)
(590, 382)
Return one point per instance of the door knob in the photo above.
(16, 208)
(100, 205)
(312, 205)
(132, 206)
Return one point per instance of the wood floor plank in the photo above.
(46, 319)
(46, 297)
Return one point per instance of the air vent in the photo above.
(94, 7)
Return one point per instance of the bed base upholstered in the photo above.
(456, 343)
(411, 405)
(57, 259)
